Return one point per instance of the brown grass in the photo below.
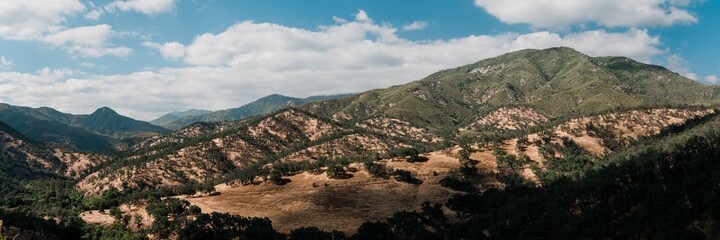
(334, 204)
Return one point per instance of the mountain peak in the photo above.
(105, 110)
(275, 96)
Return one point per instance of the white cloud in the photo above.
(609, 13)
(339, 19)
(42, 20)
(95, 14)
(681, 66)
(6, 63)
(171, 50)
(88, 41)
(30, 20)
(416, 25)
(88, 64)
(362, 16)
(249, 60)
(149, 7)
(88, 35)
(711, 79)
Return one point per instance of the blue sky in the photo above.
(148, 57)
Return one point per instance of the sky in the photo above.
(145, 58)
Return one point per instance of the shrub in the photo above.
(402, 175)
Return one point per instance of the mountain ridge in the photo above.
(554, 81)
(174, 116)
(97, 131)
(261, 106)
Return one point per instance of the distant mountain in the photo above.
(16, 156)
(11, 132)
(261, 106)
(106, 121)
(174, 116)
(555, 82)
(88, 132)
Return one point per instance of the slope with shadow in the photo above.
(207, 152)
(40, 129)
(555, 82)
(94, 132)
(174, 116)
(107, 122)
(261, 106)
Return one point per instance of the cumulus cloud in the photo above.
(171, 50)
(87, 41)
(95, 14)
(362, 17)
(681, 66)
(6, 63)
(609, 13)
(711, 79)
(149, 7)
(416, 25)
(42, 20)
(30, 20)
(249, 60)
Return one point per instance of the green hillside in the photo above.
(555, 81)
(88, 132)
(107, 122)
(258, 107)
(174, 116)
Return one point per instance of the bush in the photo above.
(402, 175)
(376, 170)
(312, 233)
(337, 172)
(456, 184)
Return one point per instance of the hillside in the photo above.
(107, 122)
(94, 132)
(207, 151)
(258, 107)
(16, 150)
(555, 82)
(309, 196)
(491, 135)
(174, 116)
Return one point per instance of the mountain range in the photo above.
(96, 131)
(531, 143)
(555, 82)
(258, 107)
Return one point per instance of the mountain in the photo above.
(12, 162)
(532, 143)
(107, 122)
(554, 82)
(45, 124)
(89, 132)
(174, 116)
(258, 107)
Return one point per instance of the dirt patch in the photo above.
(509, 118)
(332, 204)
(97, 217)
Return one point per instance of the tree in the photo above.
(413, 154)
(310, 233)
(456, 184)
(376, 170)
(276, 178)
(337, 172)
(374, 230)
(402, 175)
(137, 219)
(522, 143)
(116, 213)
